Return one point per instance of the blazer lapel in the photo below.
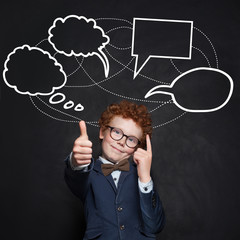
(110, 179)
(97, 167)
(123, 176)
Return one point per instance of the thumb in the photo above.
(83, 130)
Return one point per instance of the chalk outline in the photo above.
(132, 71)
(79, 107)
(151, 91)
(56, 63)
(102, 57)
(158, 56)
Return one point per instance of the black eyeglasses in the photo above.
(117, 134)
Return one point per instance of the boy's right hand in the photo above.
(82, 148)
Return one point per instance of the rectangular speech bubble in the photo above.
(160, 38)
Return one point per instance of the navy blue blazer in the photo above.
(115, 213)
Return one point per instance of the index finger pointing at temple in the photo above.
(148, 142)
(83, 129)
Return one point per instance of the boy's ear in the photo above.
(101, 134)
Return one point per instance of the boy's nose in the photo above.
(122, 141)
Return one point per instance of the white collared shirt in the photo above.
(144, 187)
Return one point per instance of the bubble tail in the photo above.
(164, 89)
(102, 56)
(139, 64)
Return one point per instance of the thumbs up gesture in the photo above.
(82, 148)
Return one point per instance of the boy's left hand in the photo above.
(143, 159)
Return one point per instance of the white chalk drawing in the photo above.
(82, 24)
(81, 81)
(32, 53)
(68, 105)
(142, 59)
(52, 101)
(79, 107)
(167, 88)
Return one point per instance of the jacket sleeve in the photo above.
(152, 213)
(78, 180)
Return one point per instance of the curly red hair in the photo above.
(129, 110)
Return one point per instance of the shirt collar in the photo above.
(103, 160)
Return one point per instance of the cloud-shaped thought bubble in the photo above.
(33, 71)
(198, 90)
(79, 36)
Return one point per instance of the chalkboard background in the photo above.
(196, 157)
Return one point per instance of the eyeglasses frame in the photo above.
(123, 135)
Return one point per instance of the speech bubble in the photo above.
(160, 38)
(79, 36)
(199, 87)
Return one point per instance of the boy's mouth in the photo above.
(117, 149)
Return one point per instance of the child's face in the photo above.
(116, 151)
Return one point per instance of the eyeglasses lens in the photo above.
(117, 134)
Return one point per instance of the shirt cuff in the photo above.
(77, 168)
(145, 187)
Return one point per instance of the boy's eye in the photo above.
(116, 131)
(132, 139)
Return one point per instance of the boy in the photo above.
(120, 201)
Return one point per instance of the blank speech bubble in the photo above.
(160, 38)
(198, 90)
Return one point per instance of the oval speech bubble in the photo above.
(190, 89)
